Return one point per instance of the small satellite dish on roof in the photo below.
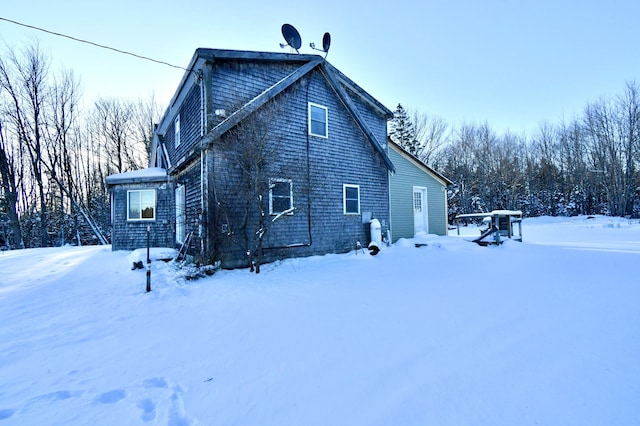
(291, 36)
(326, 43)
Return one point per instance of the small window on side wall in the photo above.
(280, 196)
(318, 120)
(176, 128)
(351, 199)
(141, 204)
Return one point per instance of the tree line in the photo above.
(588, 165)
(55, 154)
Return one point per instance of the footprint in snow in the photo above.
(156, 382)
(148, 408)
(56, 396)
(7, 413)
(111, 397)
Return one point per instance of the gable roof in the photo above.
(418, 163)
(335, 79)
(148, 175)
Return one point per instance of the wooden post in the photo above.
(148, 261)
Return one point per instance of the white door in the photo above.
(180, 214)
(420, 223)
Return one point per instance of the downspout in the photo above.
(309, 228)
(203, 172)
(446, 211)
(390, 228)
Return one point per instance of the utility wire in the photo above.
(92, 43)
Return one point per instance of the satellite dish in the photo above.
(326, 43)
(291, 36)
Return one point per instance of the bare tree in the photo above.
(430, 133)
(24, 80)
(251, 159)
(10, 177)
(145, 114)
(113, 122)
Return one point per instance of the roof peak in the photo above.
(210, 53)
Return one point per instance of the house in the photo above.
(418, 196)
(259, 156)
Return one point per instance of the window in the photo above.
(351, 197)
(176, 128)
(417, 201)
(181, 216)
(280, 196)
(141, 204)
(318, 123)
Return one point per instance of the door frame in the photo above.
(425, 214)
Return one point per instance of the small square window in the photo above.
(280, 196)
(351, 199)
(141, 205)
(318, 122)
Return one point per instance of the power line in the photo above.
(93, 44)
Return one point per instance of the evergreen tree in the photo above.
(403, 132)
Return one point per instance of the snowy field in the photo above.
(546, 332)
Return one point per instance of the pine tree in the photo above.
(403, 132)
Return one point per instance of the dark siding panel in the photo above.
(190, 178)
(318, 167)
(345, 157)
(235, 83)
(190, 120)
(130, 235)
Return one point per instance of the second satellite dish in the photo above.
(326, 43)
(291, 36)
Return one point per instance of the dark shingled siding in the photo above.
(345, 157)
(129, 235)
(318, 168)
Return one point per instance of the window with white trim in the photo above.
(280, 196)
(318, 120)
(181, 216)
(141, 204)
(176, 129)
(351, 199)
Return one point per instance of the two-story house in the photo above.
(259, 155)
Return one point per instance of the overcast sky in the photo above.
(512, 63)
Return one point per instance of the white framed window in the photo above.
(351, 199)
(176, 129)
(141, 204)
(318, 120)
(181, 214)
(280, 196)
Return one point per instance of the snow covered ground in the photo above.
(545, 332)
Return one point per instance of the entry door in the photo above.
(180, 214)
(420, 222)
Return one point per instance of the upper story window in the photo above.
(351, 199)
(141, 204)
(318, 120)
(280, 196)
(176, 128)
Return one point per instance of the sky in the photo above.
(512, 64)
